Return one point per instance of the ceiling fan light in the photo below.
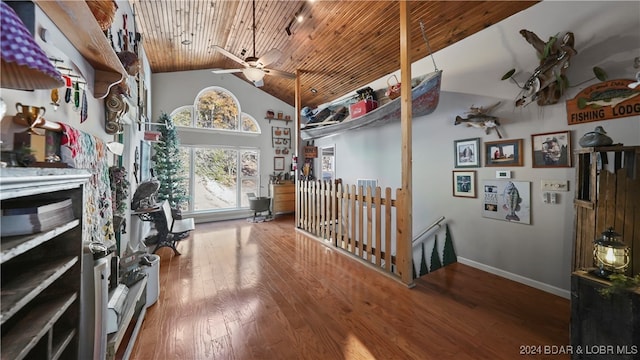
(253, 74)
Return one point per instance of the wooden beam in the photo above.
(296, 141)
(404, 242)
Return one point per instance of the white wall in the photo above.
(172, 90)
(606, 35)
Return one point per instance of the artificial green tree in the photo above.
(169, 167)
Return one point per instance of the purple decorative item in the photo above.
(25, 66)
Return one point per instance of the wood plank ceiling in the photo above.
(339, 47)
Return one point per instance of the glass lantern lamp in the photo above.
(610, 254)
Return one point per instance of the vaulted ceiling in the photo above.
(339, 47)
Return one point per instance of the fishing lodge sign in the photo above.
(607, 100)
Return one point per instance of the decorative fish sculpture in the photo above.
(478, 117)
(512, 201)
(609, 97)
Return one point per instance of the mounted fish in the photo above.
(548, 82)
(479, 118)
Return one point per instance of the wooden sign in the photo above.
(310, 152)
(607, 100)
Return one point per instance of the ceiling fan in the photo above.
(254, 68)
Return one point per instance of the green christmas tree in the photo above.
(169, 169)
(448, 253)
(435, 258)
(424, 270)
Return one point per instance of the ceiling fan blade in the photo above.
(230, 55)
(226, 71)
(279, 73)
(271, 56)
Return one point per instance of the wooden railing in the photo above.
(361, 221)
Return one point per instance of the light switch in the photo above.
(554, 185)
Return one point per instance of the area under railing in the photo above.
(358, 220)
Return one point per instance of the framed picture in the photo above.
(551, 149)
(278, 163)
(507, 200)
(503, 153)
(467, 153)
(464, 183)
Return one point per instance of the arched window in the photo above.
(216, 108)
(182, 116)
(249, 124)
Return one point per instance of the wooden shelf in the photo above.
(76, 21)
(29, 330)
(285, 120)
(17, 245)
(20, 290)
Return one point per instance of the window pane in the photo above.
(248, 186)
(217, 110)
(182, 116)
(249, 124)
(185, 171)
(249, 164)
(215, 179)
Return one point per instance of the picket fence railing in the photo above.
(362, 221)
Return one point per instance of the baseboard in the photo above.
(517, 278)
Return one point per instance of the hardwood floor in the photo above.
(264, 291)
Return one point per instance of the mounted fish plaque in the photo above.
(604, 101)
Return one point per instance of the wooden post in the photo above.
(296, 143)
(405, 212)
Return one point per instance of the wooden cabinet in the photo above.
(603, 327)
(41, 272)
(607, 195)
(283, 198)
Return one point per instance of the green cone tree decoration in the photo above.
(424, 270)
(169, 168)
(435, 258)
(448, 253)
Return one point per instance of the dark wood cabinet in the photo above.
(603, 327)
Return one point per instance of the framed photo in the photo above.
(467, 153)
(278, 163)
(507, 200)
(464, 183)
(551, 149)
(503, 153)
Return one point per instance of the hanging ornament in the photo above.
(67, 84)
(83, 110)
(55, 98)
(76, 96)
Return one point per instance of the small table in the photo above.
(157, 217)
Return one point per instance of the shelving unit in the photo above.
(134, 311)
(41, 272)
(76, 21)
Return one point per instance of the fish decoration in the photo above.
(548, 81)
(512, 201)
(479, 118)
(83, 109)
(608, 97)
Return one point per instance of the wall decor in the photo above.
(280, 137)
(278, 163)
(464, 183)
(479, 118)
(611, 99)
(551, 149)
(503, 153)
(467, 153)
(548, 82)
(507, 200)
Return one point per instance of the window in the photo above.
(220, 175)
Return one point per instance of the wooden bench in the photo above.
(171, 230)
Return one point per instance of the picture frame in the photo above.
(467, 153)
(551, 149)
(504, 153)
(464, 183)
(278, 163)
(507, 200)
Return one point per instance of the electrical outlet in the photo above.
(554, 185)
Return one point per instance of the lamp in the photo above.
(253, 74)
(610, 254)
